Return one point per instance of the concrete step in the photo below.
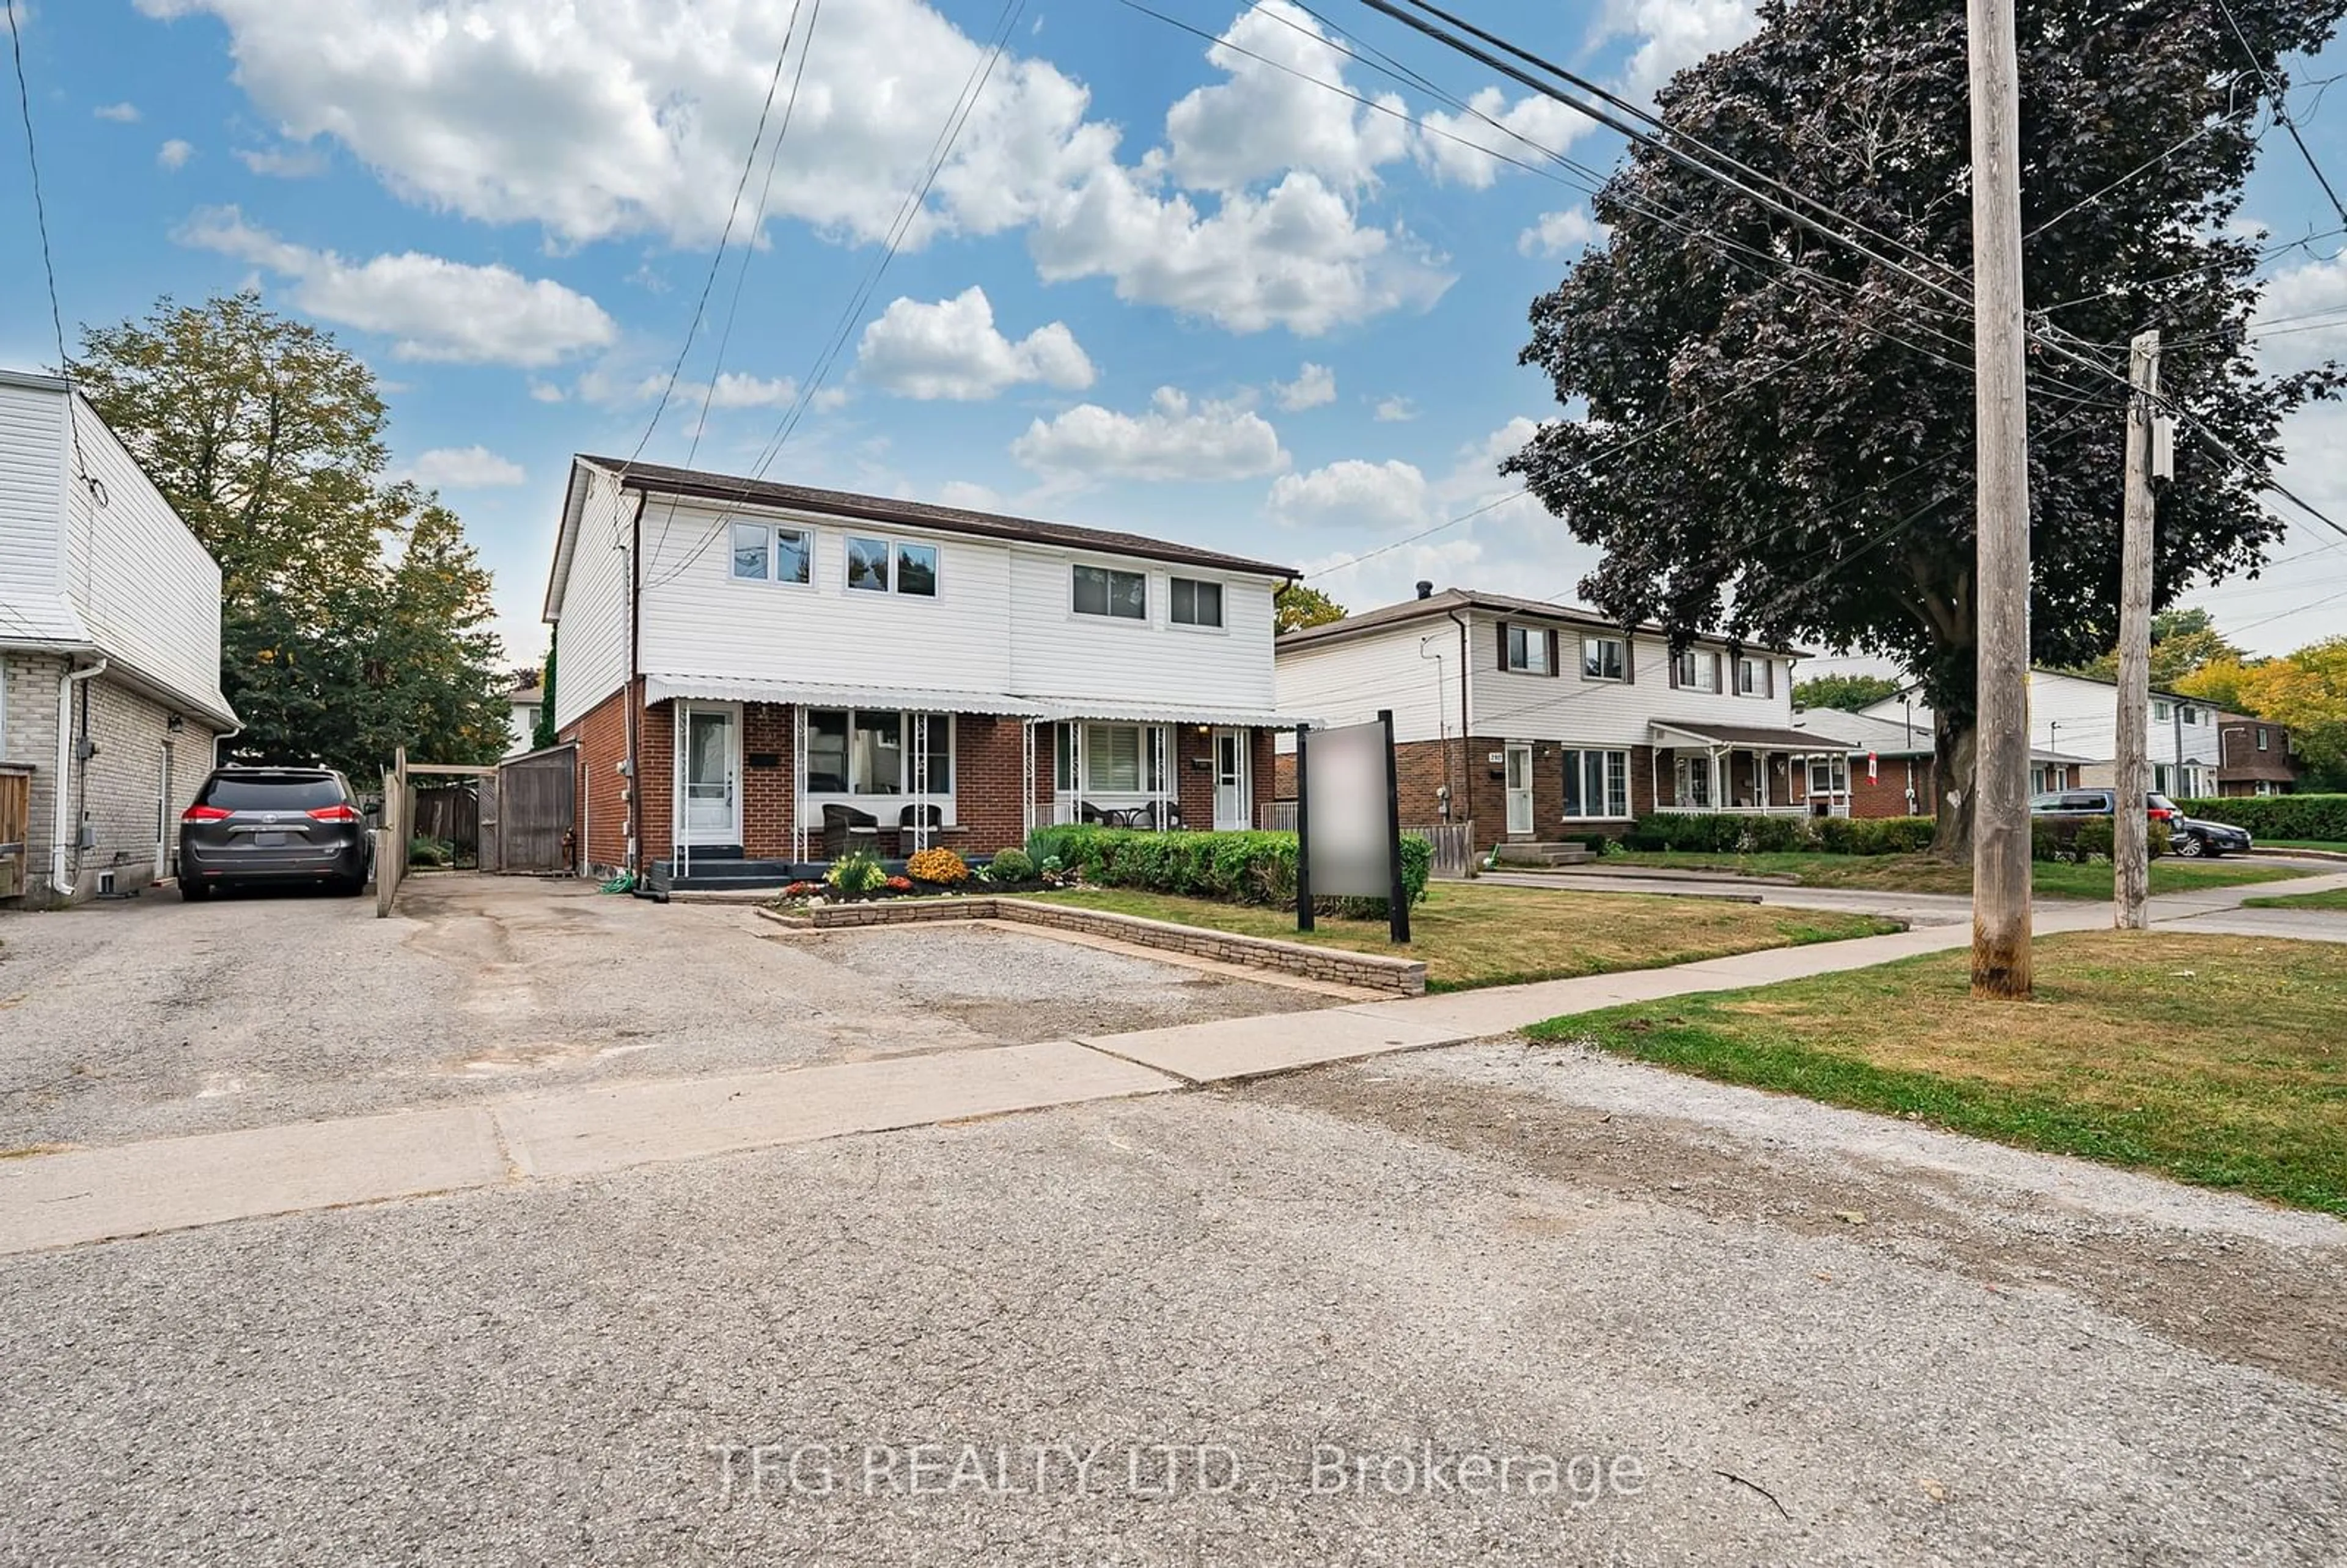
(1525, 853)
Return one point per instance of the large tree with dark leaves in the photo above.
(355, 619)
(1779, 433)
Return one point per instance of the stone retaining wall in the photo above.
(1403, 977)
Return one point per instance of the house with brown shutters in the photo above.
(1539, 720)
(2254, 757)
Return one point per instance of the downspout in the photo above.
(1466, 772)
(635, 702)
(60, 818)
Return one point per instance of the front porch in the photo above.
(756, 786)
(1703, 770)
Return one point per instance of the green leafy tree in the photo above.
(1848, 692)
(1296, 607)
(353, 615)
(1779, 437)
(2305, 693)
(2182, 642)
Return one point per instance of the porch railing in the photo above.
(1835, 808)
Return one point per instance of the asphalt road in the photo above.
(153, 1017)
(1700, 1324)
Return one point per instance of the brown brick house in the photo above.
(742, 661)
(1892, 770)
(2254, 757)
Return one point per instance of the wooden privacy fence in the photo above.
(15, 825)
(535, 797)
(1453, 842)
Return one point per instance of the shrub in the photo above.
(1011, 865)
(2319, 818)
(899, 885)
(1237, 867)
(939, 864)
(859, 872)
(1049, 843)
(421, 851)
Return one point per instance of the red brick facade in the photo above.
(989, 797)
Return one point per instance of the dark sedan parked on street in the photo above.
(285, 825)
(2197, 836)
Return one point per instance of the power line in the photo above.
(2281, 111)
(33, 162)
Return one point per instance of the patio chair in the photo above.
(846, 829)
(1087, 811)
(1167, 815)
(913, 818)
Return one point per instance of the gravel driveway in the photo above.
(153, 1017)
(1490, 1253)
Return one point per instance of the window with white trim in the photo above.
(892, 566)
(1755, 678)
(2262, 739)
(1528, 649)
(1195, 602)
(1118, 759)
(1104, 590)
(1691, 779)
(863, 751)
(764, 553)
(1596, 785)
(1605, 659)
(1830, 776)
(2159, 713)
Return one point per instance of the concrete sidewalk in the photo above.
(82, 1195)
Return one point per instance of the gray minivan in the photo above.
(287, 826)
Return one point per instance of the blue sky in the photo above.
(1158, 285)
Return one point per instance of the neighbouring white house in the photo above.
(523, 705)
(1539, 720)
(110, 699)
(2076, 717)
(766, 675)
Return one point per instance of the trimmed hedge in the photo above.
(1236, 867)
(1730, 834)
(2318, 818)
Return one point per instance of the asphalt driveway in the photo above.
(153, 1017)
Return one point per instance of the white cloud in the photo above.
(1369, 498)
(283, 162)
(969, 497)
(1396, 410)
(463, 468)
(1314, 385)
(518, 111)
(1264, 120)
(743, 390)
(432, 308)
(1557, 232)
(1295, 256)
(1173, 440)
(1674, 35)
(545, 391)
(952, 349)
(1458, 149)
(121, 113)
(2301, 317)
(173, 155)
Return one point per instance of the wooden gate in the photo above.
(15, 818)
(1453, 844)
(537, 800)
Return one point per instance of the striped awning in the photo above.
(1160, 713)
(836, 694)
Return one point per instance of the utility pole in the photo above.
(2130, 827)
(2001, 960)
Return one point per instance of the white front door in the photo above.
(1520, 788)
(1231, 781)
(713, 803)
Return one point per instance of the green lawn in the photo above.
(2216, 1059)
(2334, 899)
(1470, 935)
(1928, 874)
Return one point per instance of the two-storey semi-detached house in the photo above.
(1537, 720)
(2076, 717)
(744, 664)
(109, 655)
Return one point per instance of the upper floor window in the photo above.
(1528, 649)
(882, 566)
(2190, 715)
(2160, 712)
(1103, 591)
(1197, 603)
(766, 553)
(1605, 659)
(1755, 678)
(1697, 670)
(2262, 739)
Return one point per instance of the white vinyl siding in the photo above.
(591, 639)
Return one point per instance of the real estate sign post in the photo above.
(1349, 820)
